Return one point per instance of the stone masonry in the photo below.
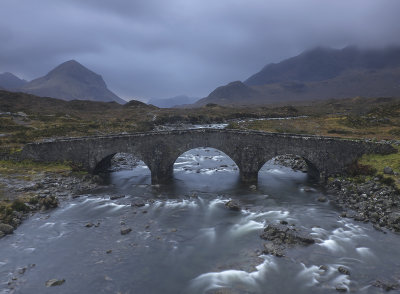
(250, 150)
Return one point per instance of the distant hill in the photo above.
(28, 103)
(233, 93)
(71, 80)
(320, 73)
(172, 102)
(8, 81)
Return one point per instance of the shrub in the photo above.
(19, 205)
(357, 169)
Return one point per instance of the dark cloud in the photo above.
(159, 48)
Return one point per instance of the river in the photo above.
(185, 240)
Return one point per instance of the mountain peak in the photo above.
(71, 80)
(10, 81)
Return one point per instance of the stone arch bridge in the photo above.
(250, 150)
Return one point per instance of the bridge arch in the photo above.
(208, 153)
(297, 163)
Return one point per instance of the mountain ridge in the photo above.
(175, 101)
(320, 73)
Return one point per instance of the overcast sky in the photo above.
(163, 48)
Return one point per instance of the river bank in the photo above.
(25, 190)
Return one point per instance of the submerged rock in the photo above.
(54, 282)
(125, 231)
(233, 205)
(385, 285)
(138, 204)
(341, 288)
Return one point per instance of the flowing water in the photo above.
(184, 240)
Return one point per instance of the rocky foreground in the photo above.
(370, 201)
(25, 197)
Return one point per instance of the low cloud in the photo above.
(162, 48)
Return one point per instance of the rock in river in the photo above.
(125, 231)
(54, 282)
(284, 234)
(232, 205)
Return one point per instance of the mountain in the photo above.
(172, 102)
(321, 73)
(69, 81)
(323, 63)
(8, 81)
(232, 93)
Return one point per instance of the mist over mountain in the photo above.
(321, 73)
(9, 81)
(173, 101)
(71, 80)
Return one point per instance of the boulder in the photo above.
(6, 229)
(343, 270)
(388, 170)
(284, 234)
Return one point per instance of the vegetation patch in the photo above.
(9, 167)
(379, 162)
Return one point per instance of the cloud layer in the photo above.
(159, 48)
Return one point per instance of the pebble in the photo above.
(125, 231)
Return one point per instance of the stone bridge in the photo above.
(250, 150)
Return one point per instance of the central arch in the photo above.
(204, 154)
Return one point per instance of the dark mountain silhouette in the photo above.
(71, 80)
(323, 63)
(320, 73)
(173, 101)
(9, 81)
(232, 93)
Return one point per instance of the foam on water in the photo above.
(245, 227)
(249, 281)
(310, 274)
(47, 225)
(365, 252)
(173, 204)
